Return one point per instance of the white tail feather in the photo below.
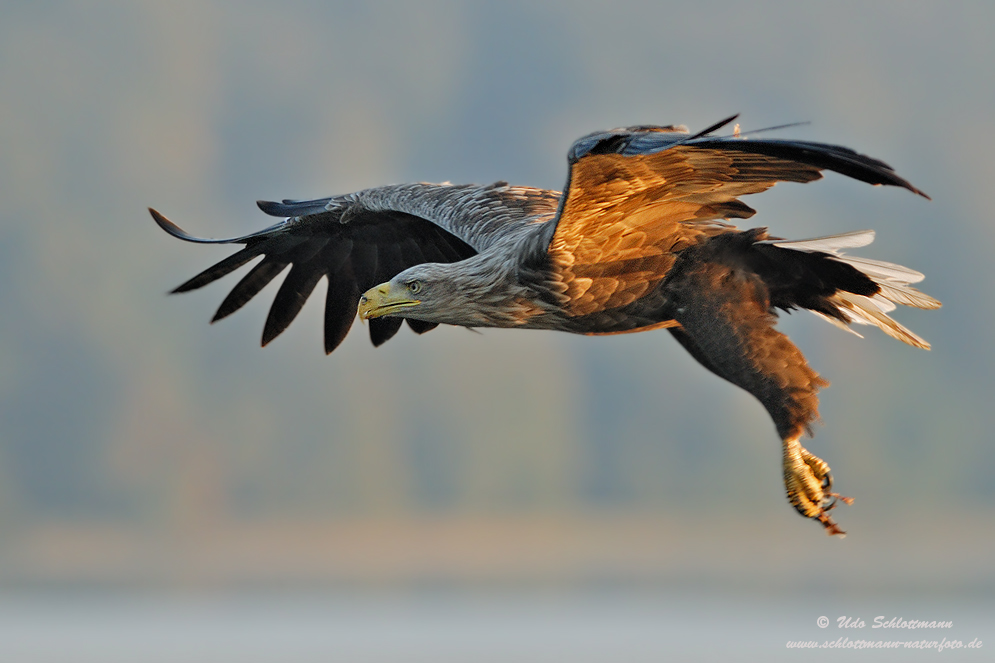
(885, 270)
(838, 323)
(893, 280)
(866, 311)
(829, 244)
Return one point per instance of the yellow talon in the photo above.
(808, 483)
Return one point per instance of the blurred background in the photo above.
(169, 491)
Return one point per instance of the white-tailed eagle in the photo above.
(638, 240)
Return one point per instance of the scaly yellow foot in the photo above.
(808, 483)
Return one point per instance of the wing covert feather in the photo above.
(635, 198)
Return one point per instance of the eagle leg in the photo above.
(727, 325)
(808, 483)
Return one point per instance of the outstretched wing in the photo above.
(637, 196)
(359, 240)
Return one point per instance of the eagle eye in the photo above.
(414, 287)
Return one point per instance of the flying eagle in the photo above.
(638, 240)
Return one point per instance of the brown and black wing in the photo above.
(637, 197)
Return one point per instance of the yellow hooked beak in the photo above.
(382, 300)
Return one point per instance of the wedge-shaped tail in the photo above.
(894, 284)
